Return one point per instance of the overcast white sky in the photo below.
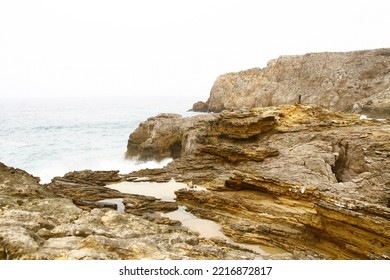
(155, 47)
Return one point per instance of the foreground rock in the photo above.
(42, 222)
(302, 178)
(336, 81)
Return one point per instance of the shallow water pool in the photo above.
(206, 228)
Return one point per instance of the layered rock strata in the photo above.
(302, 178)
(55, 222)
(337, 81)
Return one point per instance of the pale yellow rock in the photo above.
(308, 180)
(333, 80)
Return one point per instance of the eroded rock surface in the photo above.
(375, 106)
(42, 222)
(336, 81)
(91, 177)
(302, 178)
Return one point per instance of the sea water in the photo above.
(48, 137)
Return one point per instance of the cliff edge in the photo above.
(333, 80)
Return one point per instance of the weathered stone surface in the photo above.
(335, 81)
(375, 106)
(14, 185)
(41, 222)
(298, 177)
(145, 145)
(91, 177)
(88, 195)
(200, 106)
(81, 190)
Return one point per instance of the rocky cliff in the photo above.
(335, 81)
(311, 181)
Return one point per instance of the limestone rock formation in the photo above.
(41, 222)
(148, 143)
(200, 106)
(91, 177)
(308, 180)
(335, 81)
(375, 106)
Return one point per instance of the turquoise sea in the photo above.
(48, 137)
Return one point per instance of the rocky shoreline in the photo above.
(64, 220)
(312, 182)
(296, 176)
(308, 180)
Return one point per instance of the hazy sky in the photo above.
(149, 47)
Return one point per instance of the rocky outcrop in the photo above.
(91, 177)
(334, 81)
(43, 222)
(148, 143)
(200, 106)
(308, 180)
(375, 106)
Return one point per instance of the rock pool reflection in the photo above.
(206, 228)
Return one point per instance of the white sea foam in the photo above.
(49, 137)
(46, 173)
(364, 117)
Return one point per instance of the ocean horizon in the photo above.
(48, 137)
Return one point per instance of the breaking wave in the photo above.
(50, 137)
